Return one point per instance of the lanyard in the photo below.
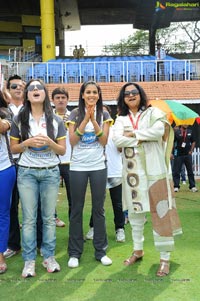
(183, 133)
(135, 125)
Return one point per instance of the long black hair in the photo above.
(4, 112)
(122, 107)
(81, 105)
(23, 117)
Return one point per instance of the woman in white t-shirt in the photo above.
(7, 180)
(88, 133)
(39, 136)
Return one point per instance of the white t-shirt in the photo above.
(88, 153)
(114, 158)
(43, 156)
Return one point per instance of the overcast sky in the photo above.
(93, 38)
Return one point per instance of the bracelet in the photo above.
(99, 134)
(22, 146)
(78, 133)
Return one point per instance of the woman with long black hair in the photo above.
(39, 136)
(88, 133)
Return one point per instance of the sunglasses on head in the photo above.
(133, 92)
(14, 86)
(33, 87)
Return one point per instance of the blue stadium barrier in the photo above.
(113, 69)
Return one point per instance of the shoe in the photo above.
(90, 234)
(120, 235)
(3, 267)
(105, 260)
(51, 265)
(9, 253)
(29, 269)
(184, 182)
(176, 189)
(194, 189)
(59, 223)
(73, 262)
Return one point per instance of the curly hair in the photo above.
(122, 107)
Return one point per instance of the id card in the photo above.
(183, 144)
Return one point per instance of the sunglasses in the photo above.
(33, 87)
(133, 92)
(14, 86)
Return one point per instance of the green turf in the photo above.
(92, 281)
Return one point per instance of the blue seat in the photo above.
(116, 71)
(55, 72)
(149, 70)
(133, 71)
(101, 71)
(71, 72)
(87, 71)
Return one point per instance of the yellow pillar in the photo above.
(47, 30)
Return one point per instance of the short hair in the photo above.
(59, 91)
(12, 78)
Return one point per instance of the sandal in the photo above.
(134, 257)
(3, 267)
(163, 269)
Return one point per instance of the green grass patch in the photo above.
(92, 281)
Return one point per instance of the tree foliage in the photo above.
(179, 37)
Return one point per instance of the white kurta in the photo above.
(147, 182)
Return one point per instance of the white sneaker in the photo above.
(194, 189)
(73, 262)
(105, 260)
(51, 265)
(59, 223)
(176, 189)
(184, 183)
(29, 269)
(120, 235)
(9, 253)
(90, 234)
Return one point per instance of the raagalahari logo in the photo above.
(179, 6)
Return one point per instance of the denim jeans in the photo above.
(35, 184)
(14, 241)
(7, 180)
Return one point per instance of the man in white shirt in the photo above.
(160, 56)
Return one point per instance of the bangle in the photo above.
(99, 134)
(78, 133)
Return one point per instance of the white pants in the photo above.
(137, 221)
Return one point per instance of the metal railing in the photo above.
(105, 71)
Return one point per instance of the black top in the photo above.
(183, 140)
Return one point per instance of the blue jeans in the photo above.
(32, 184)
(7, 180)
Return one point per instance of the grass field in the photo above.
(92, 281)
